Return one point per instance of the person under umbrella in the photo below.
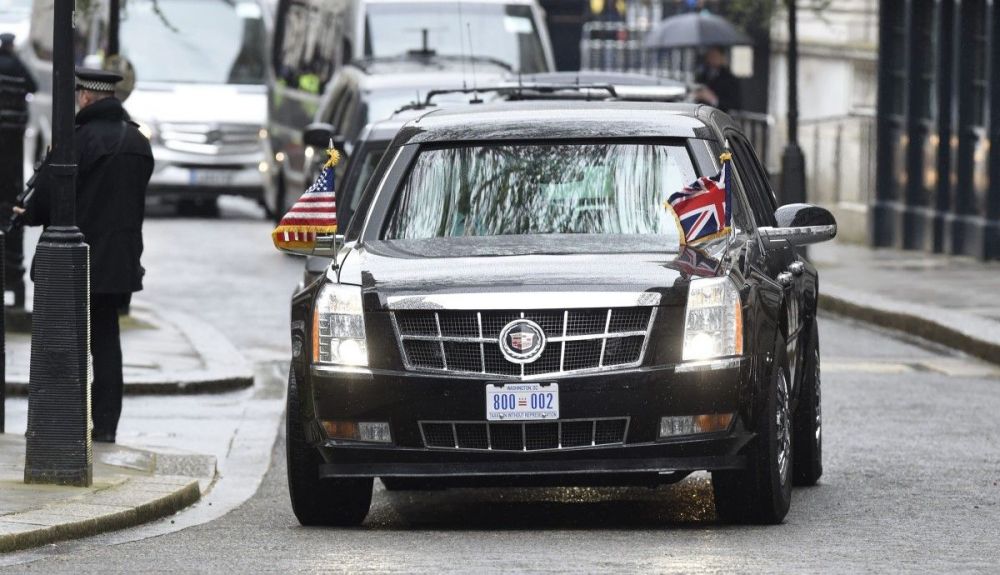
(718, 85)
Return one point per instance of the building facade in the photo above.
(838, 62)
(938, 181)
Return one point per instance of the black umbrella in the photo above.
(694, 29)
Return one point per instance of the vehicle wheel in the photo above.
(316, 501)
(807, 465)
(762, 492)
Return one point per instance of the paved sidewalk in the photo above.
(163, 352)
(130, 487)
(953, 301)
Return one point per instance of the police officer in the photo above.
(11, 65)
(114, 163)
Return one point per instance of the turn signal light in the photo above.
(693, 424)
(341, 429)
(374, 431)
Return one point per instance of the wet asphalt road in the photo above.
(911, 482)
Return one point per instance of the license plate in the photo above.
(211, 177)
(522, 401)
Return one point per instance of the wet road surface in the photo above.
(911, 481)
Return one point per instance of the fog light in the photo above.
(694, 424)
(373, 431)
(377, 431)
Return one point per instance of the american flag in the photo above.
(704, 206)
(315, 213)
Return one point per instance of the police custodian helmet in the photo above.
(96, 80)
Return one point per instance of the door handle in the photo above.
(797, 268)
(785, 279)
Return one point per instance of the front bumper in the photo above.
(188, 175)
(405, 399)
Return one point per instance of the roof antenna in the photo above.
(461, 43)
(472, 61)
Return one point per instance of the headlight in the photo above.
(339, 326)
(714, 323)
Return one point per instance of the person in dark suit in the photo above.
(11, 65)
(114, 164)
(718, 86)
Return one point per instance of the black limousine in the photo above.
(513, 303)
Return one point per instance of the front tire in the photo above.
(341, 502)
(808, 462)
(762, 492)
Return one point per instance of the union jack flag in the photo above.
(315, 213)
(704, 206)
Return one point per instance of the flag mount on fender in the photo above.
(314, 214)
(704, 207)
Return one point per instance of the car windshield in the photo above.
(532, 189)
(504, 32)
(195, 41)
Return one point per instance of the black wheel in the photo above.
(316, 501)
(762, 492)
(807, 465)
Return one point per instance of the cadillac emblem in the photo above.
(522, 341)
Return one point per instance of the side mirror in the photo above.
(800, 225)
(319, 135)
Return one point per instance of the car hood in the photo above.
(198, 103)
(514, 264)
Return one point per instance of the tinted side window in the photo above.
(754, 179)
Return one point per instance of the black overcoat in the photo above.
(114, 163)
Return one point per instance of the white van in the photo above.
(200, 93)
(314, 39)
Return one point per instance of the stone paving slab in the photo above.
(121, 495)
(163, 351)
(953, 301)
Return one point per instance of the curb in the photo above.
(106, 510)
(225, 367)
(966, 333)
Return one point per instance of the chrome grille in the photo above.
(211, 139)
(524, 436)
(579, 340)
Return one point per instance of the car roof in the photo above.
(405, 69)
(558, 119)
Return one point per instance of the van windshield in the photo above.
(195, 41)
(500, 31)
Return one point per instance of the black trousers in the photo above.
(106, 351)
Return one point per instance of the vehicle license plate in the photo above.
(522, 401)
(211, 177)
